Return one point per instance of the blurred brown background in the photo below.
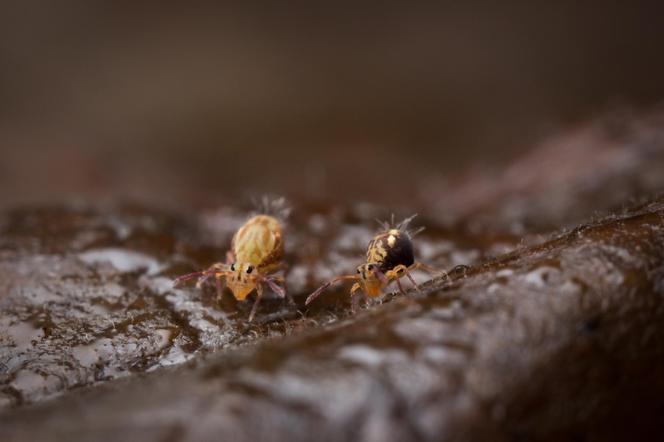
(356, 101)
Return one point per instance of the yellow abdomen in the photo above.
(258, 242)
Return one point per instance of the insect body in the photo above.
(256, 253)
(389, 258)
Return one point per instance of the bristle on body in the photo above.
(402, 226)
(272, 206)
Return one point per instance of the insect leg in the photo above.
(396, 272)
(273, 286)
(399, 272)
(277, 278)
(355, 297)
(403, 292)
(380, 275)
(426, 268)
(430, 270)
(220, 285)
(202, 280)
(410, 277)
(289, 297)
(280, 279)
(259, 295)
(324, 287)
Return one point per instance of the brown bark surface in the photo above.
(548, 327)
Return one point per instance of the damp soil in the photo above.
(545, 324)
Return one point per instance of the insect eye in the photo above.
(232, 267)
(250, 269)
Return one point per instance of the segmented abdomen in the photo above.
(390, 249)
(258, 242)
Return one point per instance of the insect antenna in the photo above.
(317, 292)
(325, 286)
(180, 279)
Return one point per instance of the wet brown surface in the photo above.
(543, 342)
(88, 293)
(548, 326)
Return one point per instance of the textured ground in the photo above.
(548, 327)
